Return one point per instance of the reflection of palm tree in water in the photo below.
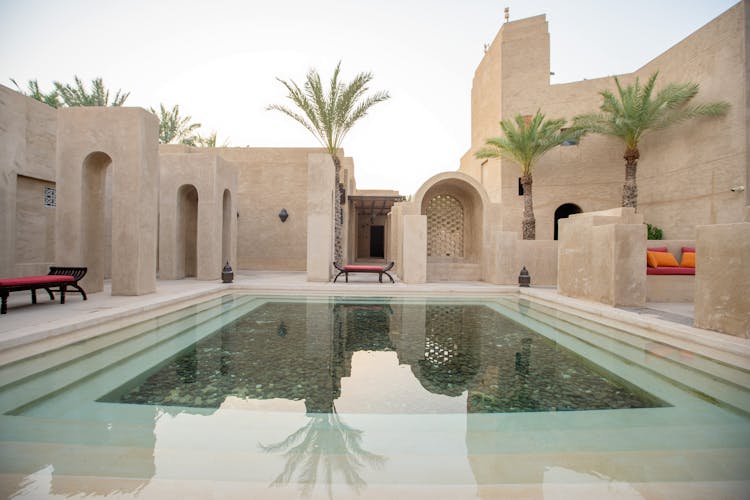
(325, 444)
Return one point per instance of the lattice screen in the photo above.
(445, 227)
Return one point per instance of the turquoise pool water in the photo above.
(327, 395)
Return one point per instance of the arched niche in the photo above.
(226, 228)
(96, 219)
(564, 211)
(455, 218)
(187, 231)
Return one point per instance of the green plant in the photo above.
(525, 141)
(654, 233)
(634, 110)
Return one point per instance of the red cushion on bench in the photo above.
(36, 280)
(364, 268)
(670, 270)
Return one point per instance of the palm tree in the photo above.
(634, 111)
(78, 95)
(525, 142)
(210, 141)
(50, 99)
(176, 129)
(329, 115)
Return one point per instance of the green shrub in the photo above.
(654, 233)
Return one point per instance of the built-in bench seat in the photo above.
(666, 279)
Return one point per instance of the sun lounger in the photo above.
(58, 279)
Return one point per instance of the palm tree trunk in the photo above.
(338, 214)
(529, 222)
(630, 188)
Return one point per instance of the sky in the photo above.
(219, 61)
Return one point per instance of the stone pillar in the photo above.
(415, 249)
(722, 278)
(601, 257)
(320, 177)
(123, 140)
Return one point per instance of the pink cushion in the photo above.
(363, 268)
(670, 270)
(688, 249)
(36, 280)
(657, 249)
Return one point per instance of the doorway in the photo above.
(377, 241)
(564, 211)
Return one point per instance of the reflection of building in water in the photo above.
(451, 356)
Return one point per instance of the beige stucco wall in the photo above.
(321, 200)
(270, 179)
(210, 175)
(685, 172)
(601, 257)
(722, 276)
(28, 135)
(122, 141)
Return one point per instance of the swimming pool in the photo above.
(343, 396)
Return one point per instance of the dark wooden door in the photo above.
(377, 241)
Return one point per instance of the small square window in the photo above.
(50, 197)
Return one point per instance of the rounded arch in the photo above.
(564, 211)
(96, 215)
(455, 205)
(187, 231)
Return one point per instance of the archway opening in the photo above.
(226, 226)
(187, 231)
(96, 223)
(564, 211)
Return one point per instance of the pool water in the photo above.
(335, 397)
(466, 351)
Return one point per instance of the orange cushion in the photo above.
(688, 259)
(661, 259)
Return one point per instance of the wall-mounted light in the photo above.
(737, 189)
(283, 215)
(282, 331)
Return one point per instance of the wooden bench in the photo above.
(59, 279)
(381, 270)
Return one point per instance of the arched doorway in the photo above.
(226, 228)
(96, 224)
(187, 231)
(564, 211)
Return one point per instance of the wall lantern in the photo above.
(283, 215)
(282, 331)
(524, 279)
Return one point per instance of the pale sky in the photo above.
(219, 59)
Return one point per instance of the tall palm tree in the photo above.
(524, 142)
(634, 111)
(176, 129)
(78, 95)
(50, 99)
(210, 141)
(329, 114)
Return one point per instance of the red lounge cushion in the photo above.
(36, 280)
(657, 249)
(671, 270)
(688, 249)
(363, 268)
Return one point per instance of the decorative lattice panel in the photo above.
(445, 227)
